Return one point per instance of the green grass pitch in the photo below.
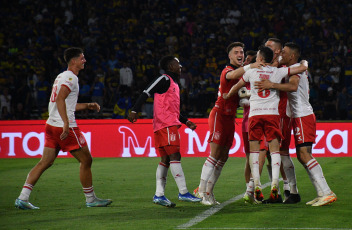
(130, 182)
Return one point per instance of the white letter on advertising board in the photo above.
(193, 135)
(11, 137)
(343, 135)
(320, 134)
(40, 137)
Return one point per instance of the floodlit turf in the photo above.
(131, 185)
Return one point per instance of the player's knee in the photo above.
(175, 156)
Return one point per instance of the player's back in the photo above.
(265, 102)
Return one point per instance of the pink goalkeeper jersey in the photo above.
(69, 80)
(299, 100)
(167, 107)
(267, 101)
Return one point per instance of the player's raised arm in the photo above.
(234, 89)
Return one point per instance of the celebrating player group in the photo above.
(270, 84)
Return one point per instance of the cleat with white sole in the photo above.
(188, 197)
(249, 199)
(314, 200)
(162, 200)
(212, 200)
(324, 200)
(24, 205)
(99, 203)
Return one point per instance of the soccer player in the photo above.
(61, 132)
(244, 95)
(287, 166)
(222, 124)
(304, 125)
(264, 116)
(166, 121)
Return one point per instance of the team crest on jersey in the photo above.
(82, 140)
(172, 137)
(70, 79)
(217, 135)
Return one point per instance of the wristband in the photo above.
(246, 67)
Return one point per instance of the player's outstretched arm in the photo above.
(234, 89)
(237, 73)
(90, 106)
(299, 69)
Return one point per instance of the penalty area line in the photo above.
(211, 211)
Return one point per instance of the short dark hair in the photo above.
(253, 59)
(234, 44)
(165, 61)
(266, 53)
(251, 53)
(276, 40)
(295, 48)
(72, 52)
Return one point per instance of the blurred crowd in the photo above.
(123, 40)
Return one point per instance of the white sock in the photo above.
(177, 173)
(250, 187)
(275, 168)
(161, 175)
(26, 192)
(286, 185)
(207, 171)
(214, 176)
(89, 193)
(289, 169)
(317, 173)
(315, 184)
(254, 164)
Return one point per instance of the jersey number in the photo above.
(264, 93)
(53, 94)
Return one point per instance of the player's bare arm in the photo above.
(234, 89)
(299, 69)
(291, 86)
(237, 73)
(61, 107)
(90, 106)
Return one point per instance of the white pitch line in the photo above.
(278, 228)
(211, 211)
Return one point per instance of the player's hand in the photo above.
(225, 96)
(191, 125)
(65, 131)
(304, 62)
(132, 117)
(94, 106)
(263, 85)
